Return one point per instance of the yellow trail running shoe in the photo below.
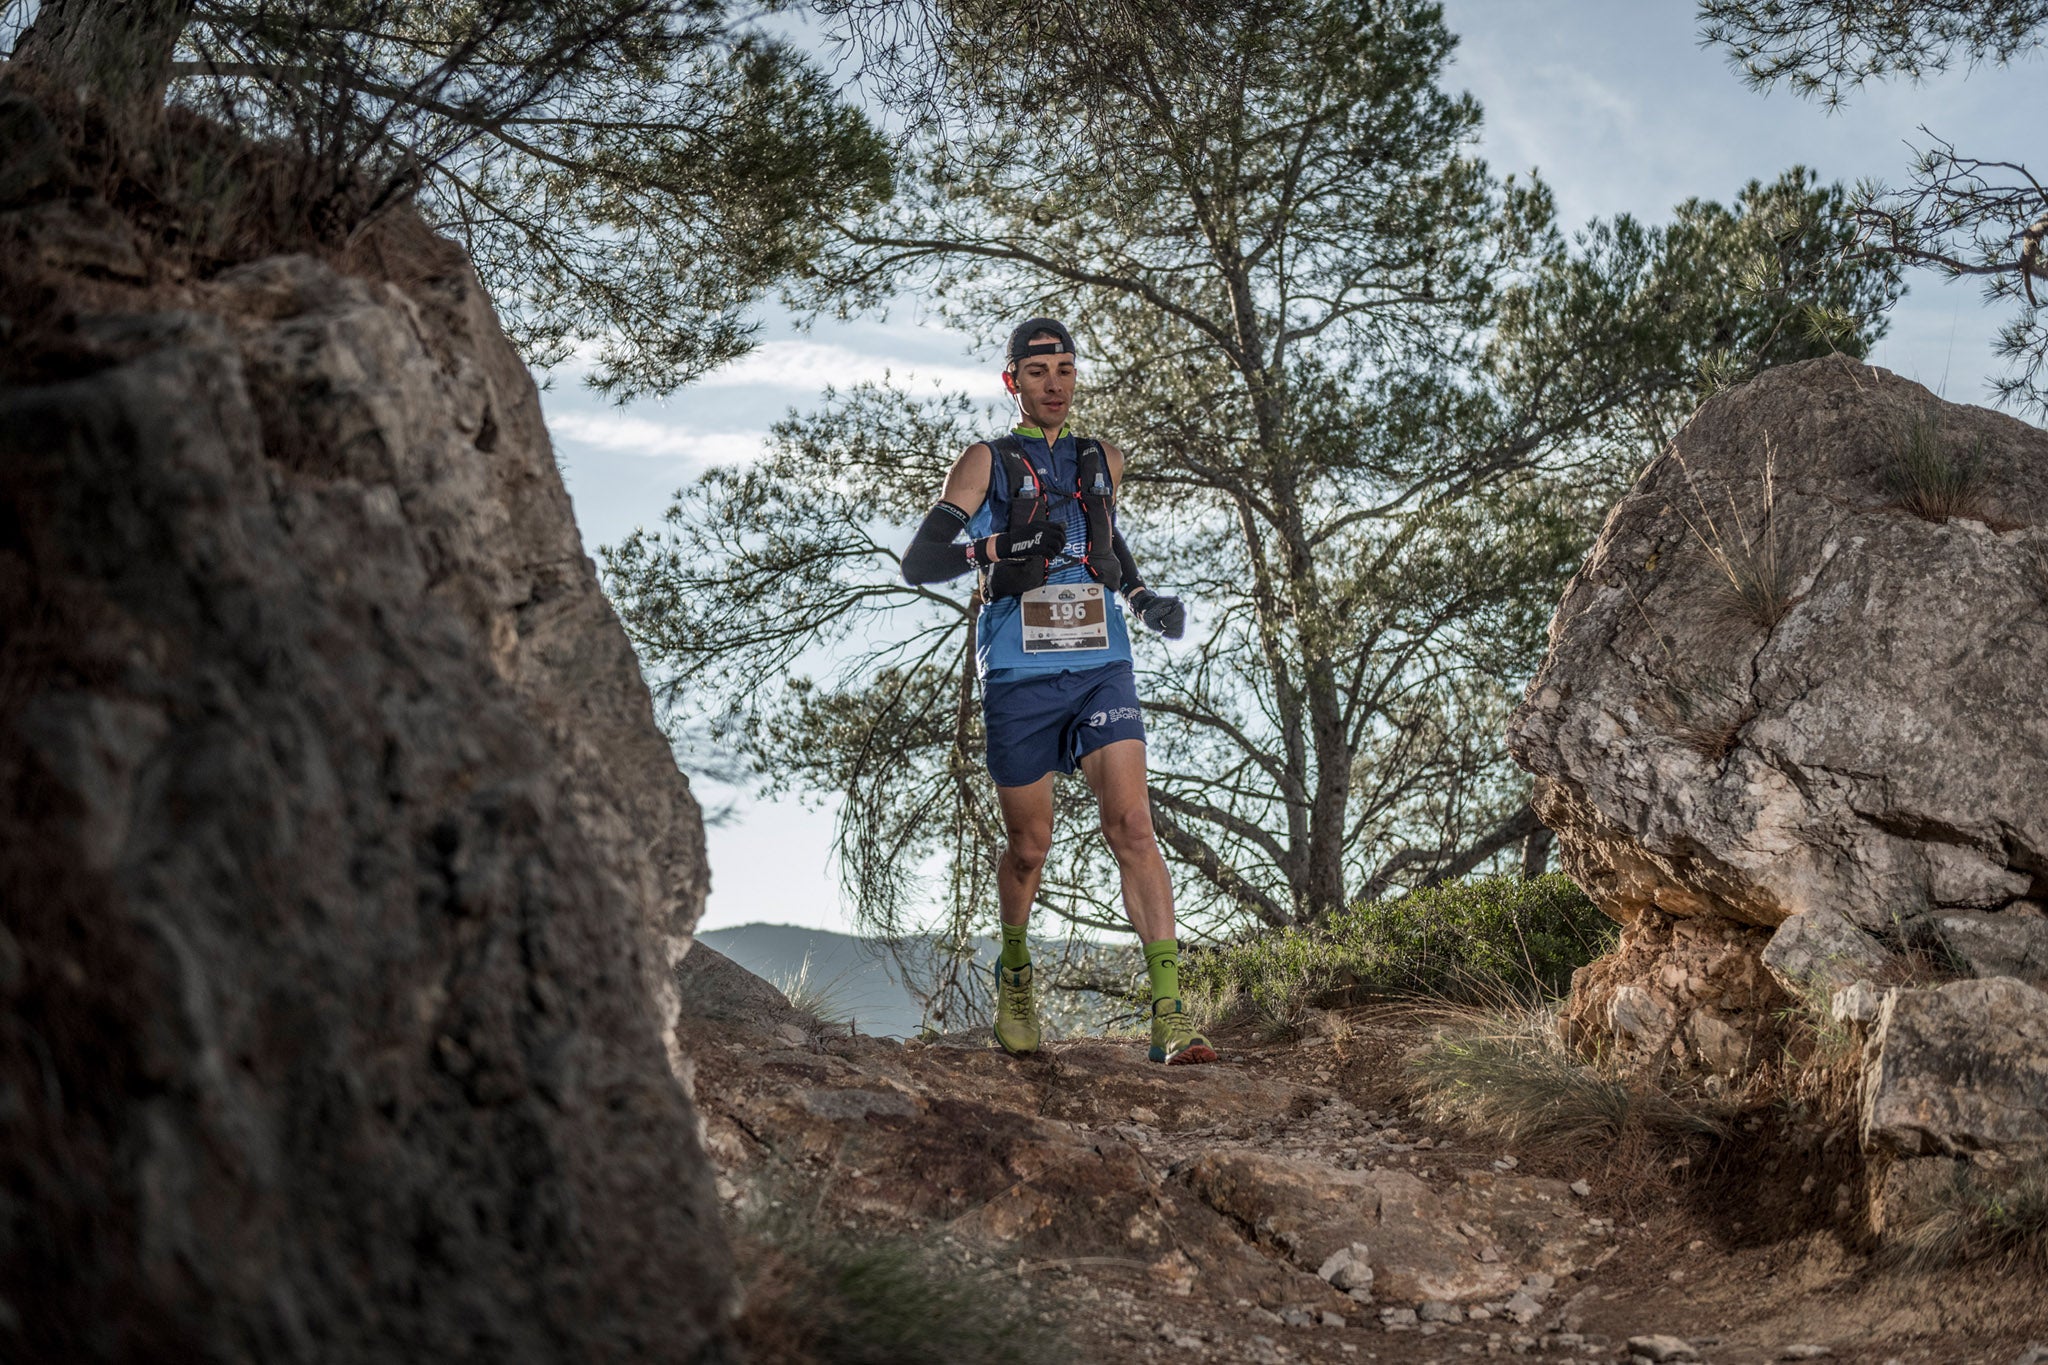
(1175, 1040)
(1016, 1010)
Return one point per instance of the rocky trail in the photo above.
(1287, 1205)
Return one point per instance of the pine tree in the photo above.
(1958, 214)
(627, 175)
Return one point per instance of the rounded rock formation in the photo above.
(1795, 710)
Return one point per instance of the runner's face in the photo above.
(1044, 386)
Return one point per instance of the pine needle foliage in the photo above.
(1374, 399)
(628, 177)
(1957, 215)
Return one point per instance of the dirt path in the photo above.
(1184, 1213)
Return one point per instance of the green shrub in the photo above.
(1473, 940)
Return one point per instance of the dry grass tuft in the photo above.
(816, 1295)
(1704, 713)
(1929, 480)
(1979, 1216)
(1279, 1004)
(821, 1003)
(1755, 579)
(1507, 1074)
(1819, 1073)
(1212, 1004)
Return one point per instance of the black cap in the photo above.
(1021, 345)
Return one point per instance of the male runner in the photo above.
(1055, 662)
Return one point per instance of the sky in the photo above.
(1613, 102)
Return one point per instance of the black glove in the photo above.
(1038, 540)
(1163, 614)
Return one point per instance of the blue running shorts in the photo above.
(1043, 723)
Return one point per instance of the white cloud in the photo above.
(813, 365)
(622, 434)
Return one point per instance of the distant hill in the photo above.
(859, 977)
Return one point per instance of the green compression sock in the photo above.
(1162, 964)
(1016, 951)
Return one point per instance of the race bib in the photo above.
(1063, 617)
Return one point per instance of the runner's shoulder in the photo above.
(980, 456)
(1114, 455)
(967, 481)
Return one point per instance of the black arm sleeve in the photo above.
(1131, 582)
(932, 556)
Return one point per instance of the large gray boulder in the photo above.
(344, 868)
(1958, 1070)
(1954, 1093)
(1863, 740)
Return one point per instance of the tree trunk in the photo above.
(116, 53)
(1332, 792)
(1536, 853)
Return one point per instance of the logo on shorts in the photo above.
(1100, 718)
(1111, 716)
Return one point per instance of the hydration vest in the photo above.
(1029, 498)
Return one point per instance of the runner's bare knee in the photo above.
(1128, 830)
(1027, 849)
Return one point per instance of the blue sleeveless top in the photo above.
(998, 635)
